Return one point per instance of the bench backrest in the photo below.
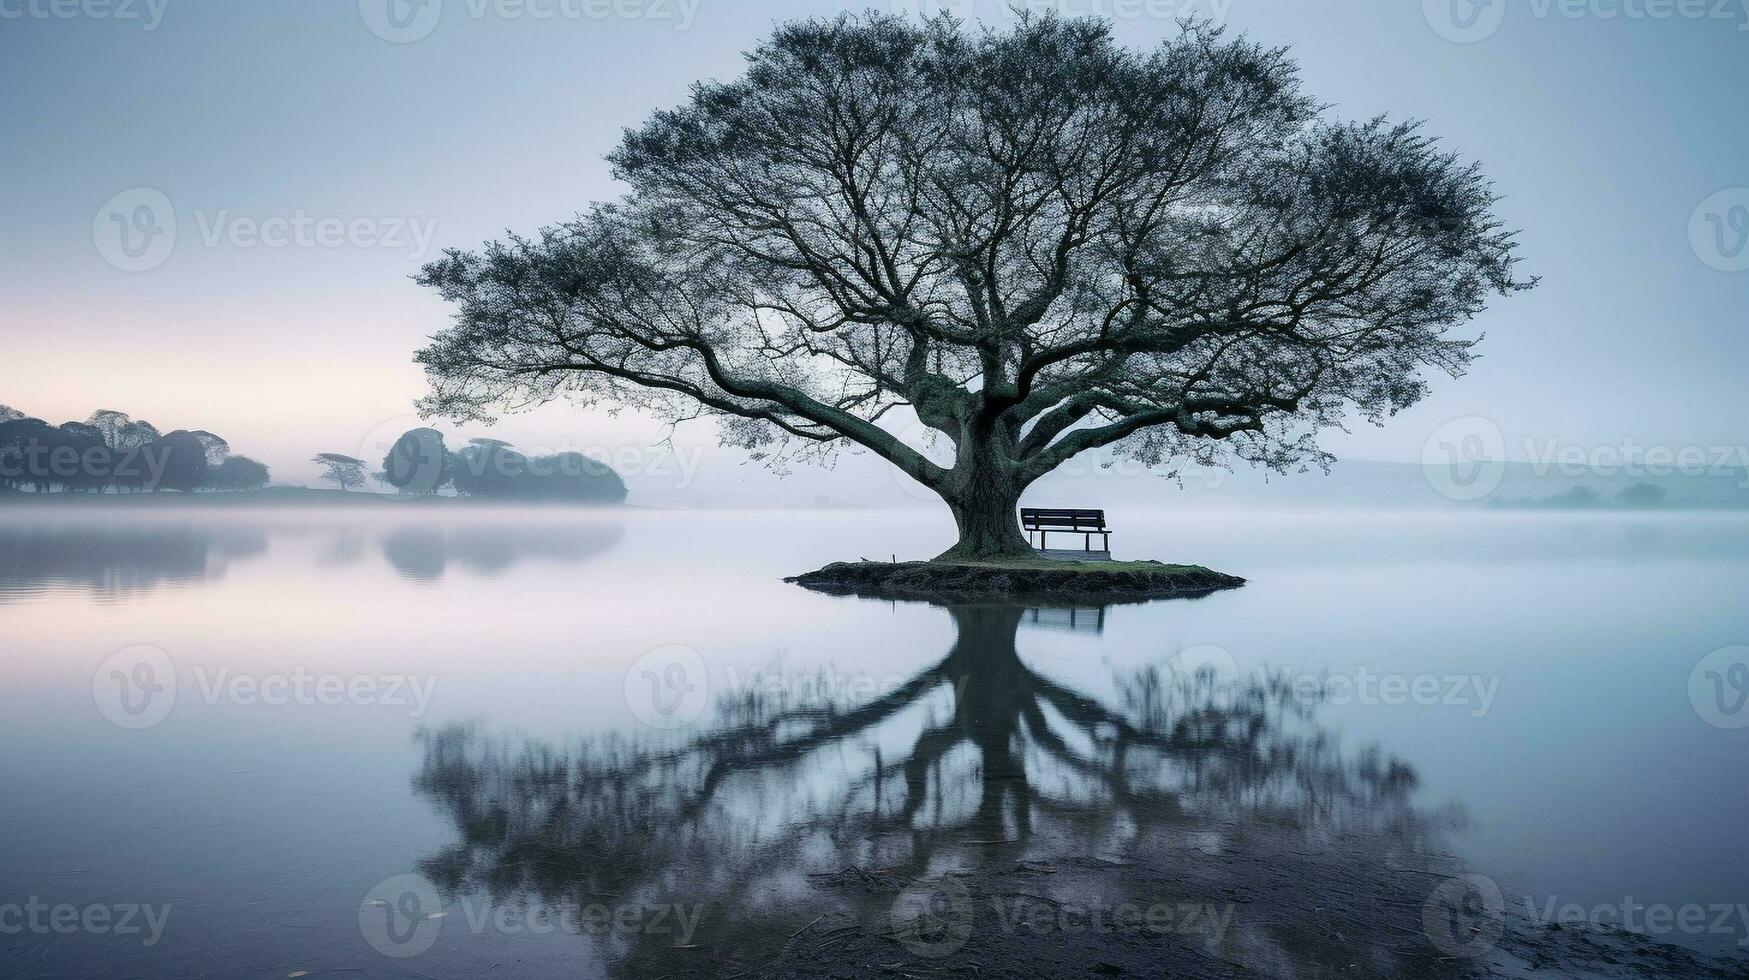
(1045, 519)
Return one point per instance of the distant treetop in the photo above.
(112, 452)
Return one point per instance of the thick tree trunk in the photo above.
(984, 495)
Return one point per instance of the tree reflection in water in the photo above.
(816, 814)
(424, 551)
(116, 559)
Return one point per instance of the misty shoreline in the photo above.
(318, 497)
(298, 496)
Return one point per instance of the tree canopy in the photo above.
(111, 451)
(492, 468)
(237, 473)
(1038, 241)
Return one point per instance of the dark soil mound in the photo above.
(1025, 581)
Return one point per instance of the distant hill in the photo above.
(862, 481)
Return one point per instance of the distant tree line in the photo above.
(419, 463)
(1642, 494)
(111, 452)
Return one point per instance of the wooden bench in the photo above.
(1086, 523)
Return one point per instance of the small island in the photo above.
(1017, 579)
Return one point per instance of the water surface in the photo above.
(556, 709)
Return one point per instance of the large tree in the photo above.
(1037, 241)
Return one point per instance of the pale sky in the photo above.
(1603, 133)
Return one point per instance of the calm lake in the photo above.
(393, 742)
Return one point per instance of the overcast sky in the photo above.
(1604, 125)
